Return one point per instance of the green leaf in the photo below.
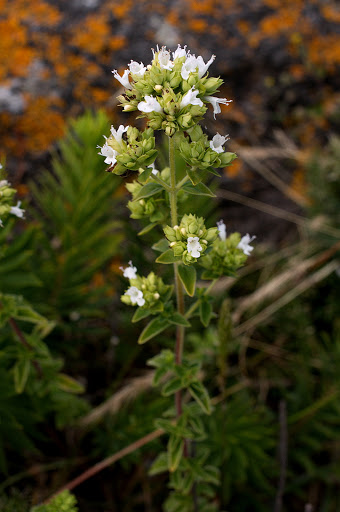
(148, 190)
(67, 383)
(200, 394)
(205, 312)
(152, 329)
(161, 246)
(172, 386)
(187, 275)
(175, 452)
(167, 257)
(145, 175)
(198, 190)
(140, 313)
(21, 373)
(159, 465)
(195, 176)
(147, 228)
(178, 319)
(172, 429)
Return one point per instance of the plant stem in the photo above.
(178, 284)
(195, 305)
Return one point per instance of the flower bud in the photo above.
(129, 108)
(158, 88)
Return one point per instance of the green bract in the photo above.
(198, 154)
(190, 227)
(224, 258)
(138, 150)
(155, 292)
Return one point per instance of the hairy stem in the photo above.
(178, 284)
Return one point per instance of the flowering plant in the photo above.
(173, 93)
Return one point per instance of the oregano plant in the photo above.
(173, 94)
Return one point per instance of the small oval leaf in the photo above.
(198, 190)
(152, 329)
(187, 275)
(150, 189)
(167, 257)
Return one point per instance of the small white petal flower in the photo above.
(4, 183)
(202, 66)
(109, 153)
(194, 247)
(189, 66)
(0, 166)
(149, 105)
(244, 244)
(180, 52)
(17, 211)
(190, 98)
(217, 142)
(135, 295)
(124, 80)
(164, 59)
(137, 69)
(1, 224)
(215, 101)
(117, 134)
(222, 230)
(154, 170)
(129, 272)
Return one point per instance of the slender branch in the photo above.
(195, 305)
(107, 462)
(280, 213)
(182, 182)
(161, 182)
(178, 284)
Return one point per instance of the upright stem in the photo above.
(178, 284)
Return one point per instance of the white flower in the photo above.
(164, 59)
(193, 246)
(135, 295)
(189, 66)
(137, 69)
(190, 98)
(4, 183)
(1, 224)
(244, 244)
(0, 166)
(202, 67)
(117, 134)
(129, 272)
(180, 52)
(109, 153)
(124, 80)
(149, 105)
(222, 230)
(154, 170)
(17, 211)
(217, 142)
(215, 101)
(195, 63)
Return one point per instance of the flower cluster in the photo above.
(190, 239)
(172, 91)
(228, 254)
(201, 153)
(149, 292)
(6, 197)
(135, 151)
(153, 208)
